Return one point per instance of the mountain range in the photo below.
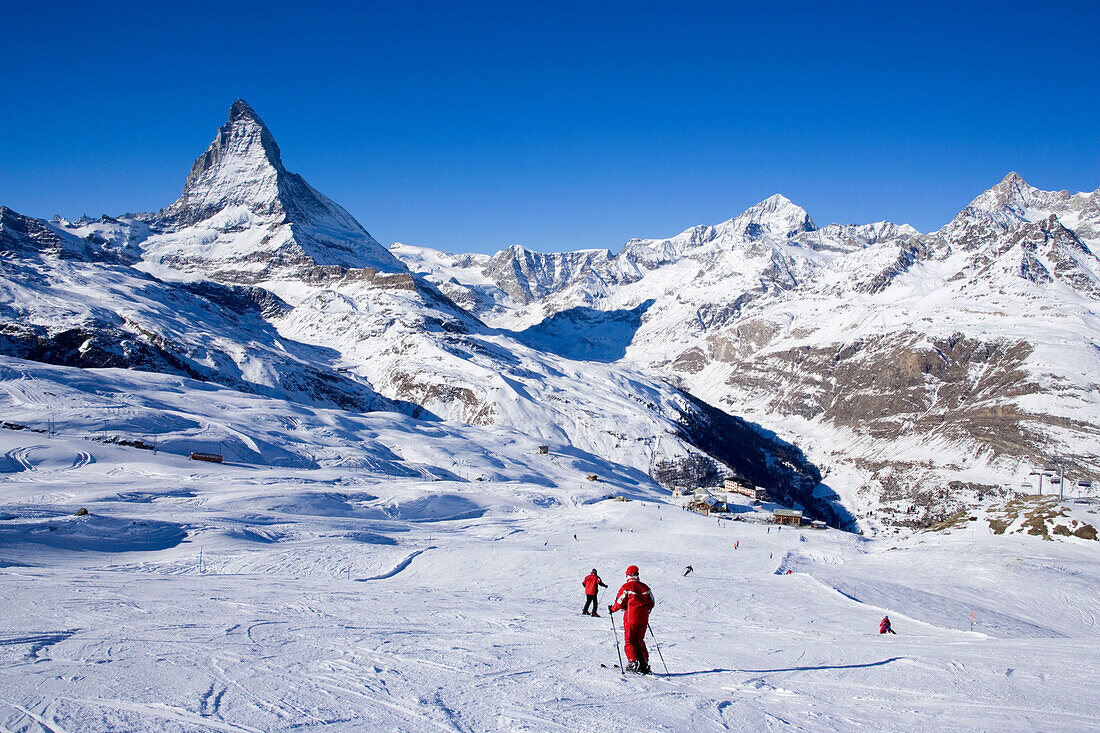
(877, 376)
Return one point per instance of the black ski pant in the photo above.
(591, 601)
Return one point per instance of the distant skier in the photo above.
(736, 544)
(884, 626)
(636, 600)
(688, 570)
(592, 585)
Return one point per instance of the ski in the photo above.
(652, 675)
(615, 666)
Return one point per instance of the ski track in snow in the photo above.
(20, 459)
(397, 568)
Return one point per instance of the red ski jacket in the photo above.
(591, 583)
(636, 599)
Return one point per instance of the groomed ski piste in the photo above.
(346, 571)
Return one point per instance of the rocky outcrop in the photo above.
(526, 276)
(24, 236)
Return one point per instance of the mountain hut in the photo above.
(787, 516)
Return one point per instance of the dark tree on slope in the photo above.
(690, 471)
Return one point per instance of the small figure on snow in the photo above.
(736, 544)
(688, 570)
(636, 600)
(884, 626)
(592, 585)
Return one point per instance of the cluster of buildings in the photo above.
(707, 501)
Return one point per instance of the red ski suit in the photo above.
(636, 600)
(592, 584)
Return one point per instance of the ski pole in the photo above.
(662, 656)
(615, 636)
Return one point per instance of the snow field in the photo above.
(461, 609)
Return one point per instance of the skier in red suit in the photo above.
(636, 600)
(592, 585)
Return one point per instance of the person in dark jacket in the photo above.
(636, 599)
(884, 626)
(592, 585)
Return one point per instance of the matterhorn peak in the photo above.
(242, 166)
(240, 184)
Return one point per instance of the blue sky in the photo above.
(473, 126)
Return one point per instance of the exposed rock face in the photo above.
(526, 276)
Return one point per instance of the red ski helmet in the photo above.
(632, 571)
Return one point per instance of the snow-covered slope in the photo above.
(386, 588)
(67, 301)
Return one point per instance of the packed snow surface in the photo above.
(347, 571)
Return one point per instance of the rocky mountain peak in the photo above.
(242, 110)
(245, 135)
(776, 216)
(1010, 203)
(1011, 180)
(1012, 190)
(239, 185)
(242, 166)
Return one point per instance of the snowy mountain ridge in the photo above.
(848, 340)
